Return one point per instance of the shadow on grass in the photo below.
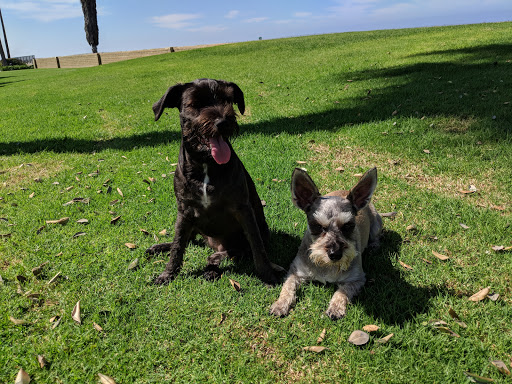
(473, 85)
(386, 295)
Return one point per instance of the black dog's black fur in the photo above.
(216, 197)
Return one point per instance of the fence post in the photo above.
(58, 62)
(99, 58)
(34, 63)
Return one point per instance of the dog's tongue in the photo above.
(220, 150)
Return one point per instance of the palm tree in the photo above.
(91, 23)
(4, 60)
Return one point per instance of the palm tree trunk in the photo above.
(91, 23)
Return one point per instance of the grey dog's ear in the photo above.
(304, 190)
(238, 96)
(171, 99)
(362, 192)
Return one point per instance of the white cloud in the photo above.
(302, 14)
(256, 20)
(45, 10)
(232, 14)
(176, 20)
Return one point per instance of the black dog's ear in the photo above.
(171, 99)
(304, 190)
(362, 192)
(238, 97)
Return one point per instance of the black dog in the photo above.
(216, 196)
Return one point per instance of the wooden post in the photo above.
(99, 59)
(34, 63)
(58, 62)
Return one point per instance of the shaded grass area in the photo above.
(353, 100)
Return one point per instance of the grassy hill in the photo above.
(430, 107)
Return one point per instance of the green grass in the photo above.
(354, 100)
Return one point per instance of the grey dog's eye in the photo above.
(315, 229)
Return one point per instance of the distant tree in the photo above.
(91, 23)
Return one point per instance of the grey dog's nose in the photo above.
(335, 254)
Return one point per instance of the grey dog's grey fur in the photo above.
(341, 225)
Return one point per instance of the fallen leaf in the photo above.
(75, 314)
(447, 330)
(134, 264)
(61, 221)
(82, 221)
(222, 318)
(235, 285)
(315, 348)
(371, 328)
(340, 169)
(163, 232)
(358, 174)
(498, 248)
(463, 225)
(480, 295)
(131, 245)
(113, 202)
(321, 337)
(54, 278)
(426, 261)
(78, 234)
(22, 377)
(145, 232)
(97, 327)
(493, 297)
(37, 270)
(478, 379)
(426, 151)
(32, 195)
(56, 323)
(120, 192)
(42, 361)
(388, 214)
(301, 162)
(18, 321)
(408, 267)
(453, 314)
(501, 366)
(385, 339)
(358, 338)
(115, 219)
(411, 228)
(152, 179)
(440, 256)
(106, 379)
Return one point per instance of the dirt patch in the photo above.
(28, 173)
(353, 159)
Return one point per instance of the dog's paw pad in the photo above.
(212, 273)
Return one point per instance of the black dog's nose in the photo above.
(221, 124)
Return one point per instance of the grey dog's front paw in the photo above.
(336, 311)
(279, 309)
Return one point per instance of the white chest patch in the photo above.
(205, 200)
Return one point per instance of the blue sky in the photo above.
(55, 27)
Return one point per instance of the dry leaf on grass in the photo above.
(131, 245)
(18, 321)
(478, 379)
(163, 232)
(42, 361)
(314, 348)
(82, 221)
(501, 366)
(115, 219)
(120, 192)
(22, 377)
(440, 256)
(134, 264)
(235, 285)
(371, 328)
(321, 337)
(61, 221)
(388, 214)
(480, 295)
(54, 278)
(447, 330)
(358, 338)
(463, 225)
(78, 234)
(37, 270)
(104, 379)
(75, 314)
(97, 327)
(408, 267)
(385, 339)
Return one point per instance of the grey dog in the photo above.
(216, 197)
(341, 225)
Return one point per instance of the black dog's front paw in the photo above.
(212, 273)
(164, 278)
(158, 248)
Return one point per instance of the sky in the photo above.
(47, 28)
